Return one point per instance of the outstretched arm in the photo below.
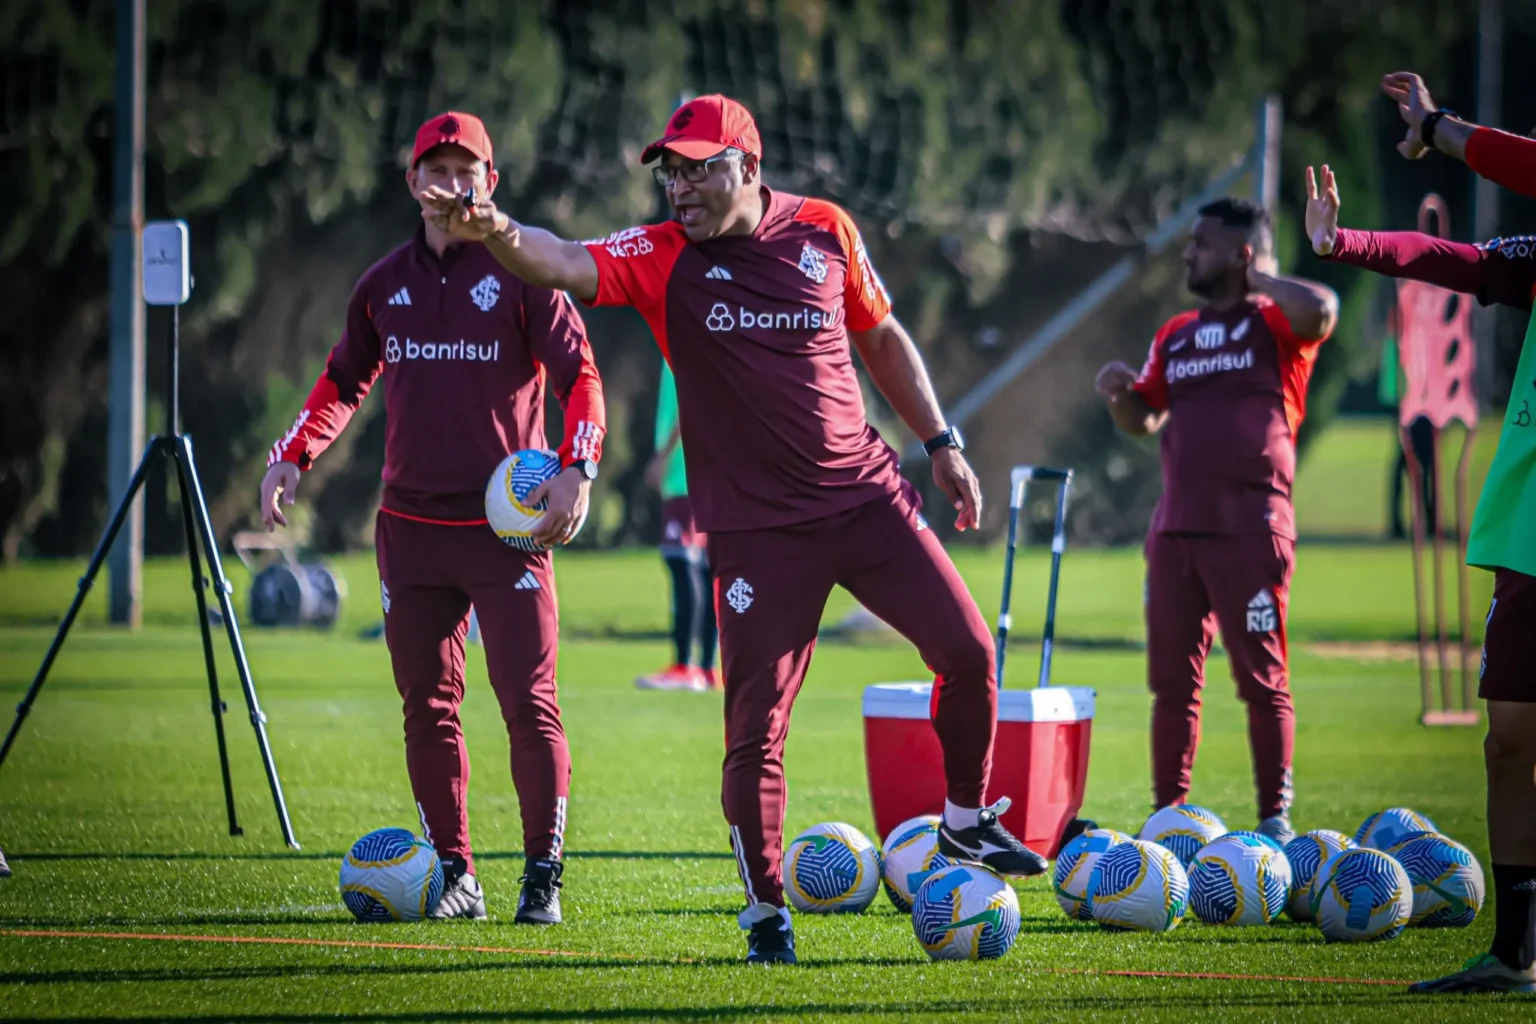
(1460, 267)
(1502, 158)
(537, 256)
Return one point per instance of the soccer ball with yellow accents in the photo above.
(506, 496)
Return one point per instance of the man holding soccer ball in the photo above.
(755, 297)
(466, 351)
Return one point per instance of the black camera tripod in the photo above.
(177, 447)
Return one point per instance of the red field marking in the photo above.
(1210, 976)
(273, 940)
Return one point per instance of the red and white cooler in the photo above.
(1040, 758)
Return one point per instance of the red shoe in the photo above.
(678, 677)
(711, 677)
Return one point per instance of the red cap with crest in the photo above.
(453, 129)
(706, 127)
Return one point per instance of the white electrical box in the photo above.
(167, 263)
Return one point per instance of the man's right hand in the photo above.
(1114, 380)
(446, 211)
(279, 485)
(1322, 212)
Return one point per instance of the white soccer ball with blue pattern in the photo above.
(965, 912)
(1138, 886)
(1361, 895)
(1385, 829)
(1074, 866)
(1239, 879)
(506, 496)
(391, 875)
(910, 854)
(1448, 885)
(1182, 828)
(1306, 853)
(831, 868)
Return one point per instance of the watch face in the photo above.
(954, 433)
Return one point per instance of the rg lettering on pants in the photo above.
(430, 575)
(770, 589)
(1240, 583)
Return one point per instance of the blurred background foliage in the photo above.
(998, 155)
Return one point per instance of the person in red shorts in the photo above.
(1503, 538)
(466, 351)
(757, 298)
(1226, 384)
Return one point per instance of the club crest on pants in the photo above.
(739, 595)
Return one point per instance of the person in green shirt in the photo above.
(1503, 535)
(683, 551)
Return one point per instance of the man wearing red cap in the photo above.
(466, 351)
(754, 296)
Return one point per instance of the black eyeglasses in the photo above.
(692, 172)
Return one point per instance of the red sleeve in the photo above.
(1494, 272)
(865, 300)
(1504, 159)
(557, 338)
(633, 265)
(1152, 384)
(353, 366)
(1297, 355)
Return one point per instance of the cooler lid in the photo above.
(1041, 704)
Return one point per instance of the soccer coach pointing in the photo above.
(754, 296)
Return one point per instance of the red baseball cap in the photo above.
(706, 127)
(456, 129)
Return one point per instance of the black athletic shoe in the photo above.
(539, 902)
(5, 869)
(462, 898)
(771, 941)
(989, 844)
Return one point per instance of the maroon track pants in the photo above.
(430, 574)
(771, 587)
(1240, 583)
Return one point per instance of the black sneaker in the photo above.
(539, 902)
(771, 941)
(989, 844)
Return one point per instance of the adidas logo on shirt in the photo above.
(718, 274)
(1262, 615)
(400, 298)
(528, 582)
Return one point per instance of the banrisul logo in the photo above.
(396, 350)
(723, 316)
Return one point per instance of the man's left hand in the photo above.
(955, 478)
(1414, 104)
(568, 495)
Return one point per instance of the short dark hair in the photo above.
(1243, 215)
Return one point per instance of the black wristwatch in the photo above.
(949, 439)
(1427, 129)
(586, 467)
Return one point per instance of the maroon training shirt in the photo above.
(465, 348)
(755, 328)
(1235, 384)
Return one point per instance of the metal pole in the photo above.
(1058, 546)
(1485, 194)
(125, 433)
(1004, 615)
(1266, 155)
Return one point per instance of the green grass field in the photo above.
(111, 813)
